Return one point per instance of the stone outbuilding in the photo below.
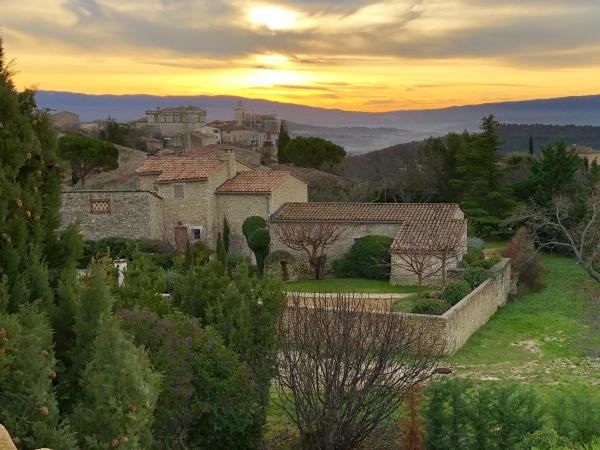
(409, 224)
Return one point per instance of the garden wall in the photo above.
(451, 330)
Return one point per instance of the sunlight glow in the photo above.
(272, 17)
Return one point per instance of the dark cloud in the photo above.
(211, 29)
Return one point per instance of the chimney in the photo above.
(229, 158)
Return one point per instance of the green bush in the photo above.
(455, 292)
(251, 224)
(544, 439)
(460, 414)
(487, 263)
(259, 242)
(473, 254)
(474, 276)
(577, 416)
(434, 306)
(369, 258)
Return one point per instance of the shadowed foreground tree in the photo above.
(581, 237)
(311, 238)
(344, 368)
(87, 156)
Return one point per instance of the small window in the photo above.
(100, 206)
(178, 191)
(196, 234)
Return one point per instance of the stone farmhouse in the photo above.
(185, 198)
(416, 228)
(588, 153)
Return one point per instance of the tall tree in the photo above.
(484, 198)
(282, 142)
(531, 147)
(87, 155)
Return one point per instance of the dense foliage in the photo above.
(433, 306)
(455, 292)
(87, 155)
(369, 257)
(313, 152)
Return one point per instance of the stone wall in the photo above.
(450, 331)
(104, 214)
(351, 231)
(290, 190)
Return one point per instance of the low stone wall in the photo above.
(451, 330)
(105, 214)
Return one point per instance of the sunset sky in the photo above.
(348, 54)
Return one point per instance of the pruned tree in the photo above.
(312, 238)
(425, 249)
(579, 236)
(344, 368)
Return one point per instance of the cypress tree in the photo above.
(28, 404)
(531, 148)
(226, 233)
(118, 395)
(221, 252)
(282, 142)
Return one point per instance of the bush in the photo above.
(369, 258)
(525, 261)
(545, 439)
(473, 254)
(251, 224)
(474, 276)
(259, 242)
(435, 307)
(462, 415)
(207, 397)
(577, 417)
(487, 263)
(455, 292)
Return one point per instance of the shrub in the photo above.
(461, 414)
(432, 306)
(525, 261)
(473, 254)
(577, 416)
(474, 276)
(455, 292)
(207, 397)
(487, 263)
(544, 439)
(259, 242)
(369, 257)
(251, 224)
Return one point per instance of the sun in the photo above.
(273, 17)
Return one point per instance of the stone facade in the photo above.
(104, 214)
(173, 121)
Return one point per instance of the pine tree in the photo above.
(28, 405)
(118, 394)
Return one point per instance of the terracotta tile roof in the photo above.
(253, 182)
(429, 235)
(365, 212)
(179, 168)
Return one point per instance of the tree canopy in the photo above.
(313, 152)
(87, 155)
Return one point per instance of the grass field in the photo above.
(548, 339)
(348, 285)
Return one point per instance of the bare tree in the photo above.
(425, 249)
(579, 236)
(344, 368)
(311, 238)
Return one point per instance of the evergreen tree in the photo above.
(30, 186)
(485, 199)
(283, 141)
(531, 147)
(28, 405)
(221, 252)
(118, 394)
(594, 173)
(226, 233)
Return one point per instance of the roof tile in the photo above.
(179, 168)
(253, 182)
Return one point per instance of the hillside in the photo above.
(386, 163)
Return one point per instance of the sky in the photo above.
(350, 54)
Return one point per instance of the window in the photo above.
(100, 206)
(196, 234)
(178, 191)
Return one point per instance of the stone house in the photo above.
(175, 120)
(182, 198)
(588, 153)
(411, 225)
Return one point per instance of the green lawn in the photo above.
(495, 245)
(347, 285)
(546, 337)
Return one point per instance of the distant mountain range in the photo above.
(361, 131)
